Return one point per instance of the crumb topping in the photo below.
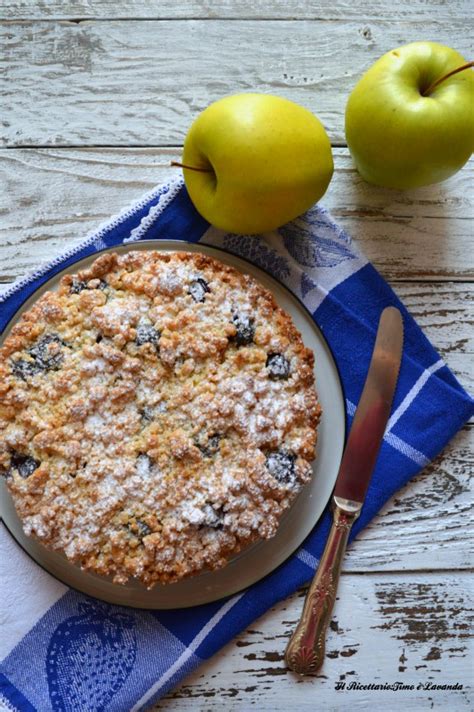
(157, 414)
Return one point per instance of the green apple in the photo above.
(410, 119)
(252, 162)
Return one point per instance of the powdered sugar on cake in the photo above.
(158, 414)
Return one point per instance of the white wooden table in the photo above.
(98, 96)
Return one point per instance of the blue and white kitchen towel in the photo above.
(64, 651)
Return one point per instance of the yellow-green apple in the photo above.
(410, 119)
(252, 162)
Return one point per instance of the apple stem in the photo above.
(428, 91)
(176, 164)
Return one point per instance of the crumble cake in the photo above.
(157, 414)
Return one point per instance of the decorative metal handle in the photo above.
(305, 651)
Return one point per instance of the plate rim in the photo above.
(184, 244)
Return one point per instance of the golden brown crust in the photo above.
(158, 414)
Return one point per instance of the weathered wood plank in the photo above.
(434, 507)
(50, 198)
(408, 10)
(414, 247)
(446, 314)
(358, 199)
(412, 628)
(142, 83)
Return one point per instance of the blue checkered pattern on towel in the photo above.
(83, 655)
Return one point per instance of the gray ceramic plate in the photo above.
(260, 559)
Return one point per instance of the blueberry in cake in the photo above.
(157, 415)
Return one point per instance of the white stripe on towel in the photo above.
(189, 651)
(396, 442)
(413, 392)
(393, 440)
(307, 559)
(408, 450)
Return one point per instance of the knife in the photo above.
(305, 651)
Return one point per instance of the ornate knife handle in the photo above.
(305, 651)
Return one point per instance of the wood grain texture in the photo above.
(445, 312)
(435, 506)
(412, 628)
(407, 10)
(50, 198)
(142, 83)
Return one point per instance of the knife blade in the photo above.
(373, 411)
(305, 650)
